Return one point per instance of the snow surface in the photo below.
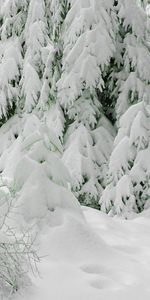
(98, 258)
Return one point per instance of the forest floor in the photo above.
(101, 258)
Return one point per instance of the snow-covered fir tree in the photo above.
(38, 35)
(56, 11)
(128, 176)
(32, 162)
(36, 39)
(88, 45)
(86, 156)
(26, 45)
(130, 71)
(12, 20)
(128, 188)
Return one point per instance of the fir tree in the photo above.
(49, 106)
(88, 45)
(87, 50)
(12, 19)
(86, 155)
(130, 73)
(128, 180)
(35, 39)
(129, 174)
(40, 179)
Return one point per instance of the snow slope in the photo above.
(98, 258)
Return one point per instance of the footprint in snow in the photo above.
(93, 269)
(99, 277)
(103, 283)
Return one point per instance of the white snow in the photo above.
(98, 258)
(59, 62)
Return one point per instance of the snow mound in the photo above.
(31, 164)
(97, 258)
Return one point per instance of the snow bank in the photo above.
(100, 258)
(31, 163)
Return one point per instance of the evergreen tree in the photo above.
(53, 65)
(86, 155)
(88, 45)
(26, 45)
(12, 20)
(128, 177)
(128, 188)
(36, 39)
(130, 73)
(40, 180)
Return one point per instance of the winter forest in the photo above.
(74, 149)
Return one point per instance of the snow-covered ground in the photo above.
(98, 258)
